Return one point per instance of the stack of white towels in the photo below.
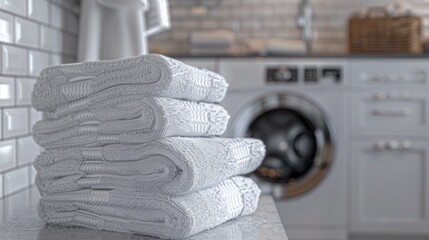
(132, 146)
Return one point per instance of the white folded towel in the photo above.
(150, 74)
(128, 119)
(152, 214)
(174, 166)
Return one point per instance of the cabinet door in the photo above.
(389, 72)
(389, 186)
(390, 112)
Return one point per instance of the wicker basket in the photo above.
(376, 32)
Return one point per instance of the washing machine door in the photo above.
(298, 138)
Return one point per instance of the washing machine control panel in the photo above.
(307, 74)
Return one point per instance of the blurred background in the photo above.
(336, 89)
(327, 21)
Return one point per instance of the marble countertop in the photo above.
(19, 221)
(320, 55)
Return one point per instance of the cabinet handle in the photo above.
(418, 77)
(407, 144)
(381, 96)
(381, 79)
(393, 145)
(391, 113)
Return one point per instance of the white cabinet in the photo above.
(389, 150)
(389, 186)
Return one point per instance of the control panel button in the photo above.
(286, 74)
(310, 75)
(331, 74)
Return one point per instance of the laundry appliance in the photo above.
(297, 107)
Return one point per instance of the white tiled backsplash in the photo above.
(33, 34)
(265, 18)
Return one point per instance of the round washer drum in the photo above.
(298, 136)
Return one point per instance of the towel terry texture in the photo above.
(152, 214)
(151, 74)
(129, 119)
(174, 166)
(132, 145)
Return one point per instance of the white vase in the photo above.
(112, 29)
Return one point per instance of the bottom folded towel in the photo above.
(152, 214)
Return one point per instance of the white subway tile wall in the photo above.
(11, 56)
(257, 18)
(32, 175)
(27, 149)
(1, 192)
(34, 116)
(7, 155)
(26, 33)
(15, 122)
(38, 10)
(15, 180)
(37, 61)
(7, 91)
(34, 34)
(6, 27)
(14, 6)
(49, 39)
(24, 87)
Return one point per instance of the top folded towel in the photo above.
(150, 74)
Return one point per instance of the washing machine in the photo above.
(297, 107)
